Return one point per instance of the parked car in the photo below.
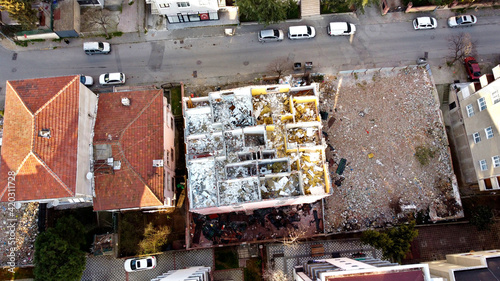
(424, 23)
(112, 78)
(472, 68)
(91, 48)
(341, 28)
(271, 35)
(301, 32)
(86, 80)
(138, 264)
(465, 20)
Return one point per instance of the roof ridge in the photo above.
(56, 95)
(54, 175)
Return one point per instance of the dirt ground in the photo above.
(377, 121)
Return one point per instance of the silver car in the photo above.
(271, 35)
(465, 20)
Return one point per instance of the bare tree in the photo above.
(294, 236)
(280, 66)
(101, 18)
(274, 275)
(461, 46)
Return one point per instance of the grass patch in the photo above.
(253, 269)
(57, 40)
(424, 154)
(226, 258)
(175, 97)
(19, 273)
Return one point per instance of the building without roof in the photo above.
(47, 140)
(360, 269)
(134, 151)
(254, 147)
(475, 122)
(482, 265)
(195, 273)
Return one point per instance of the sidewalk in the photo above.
(134, 18)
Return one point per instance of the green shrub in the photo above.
(424, 154)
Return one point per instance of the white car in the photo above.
(424, 23)
(112, 78)
(86, 80)
(138, 264)
(465, 20)
(301, 32)
(341, 28)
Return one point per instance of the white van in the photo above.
(341, 28)
(91, 48)
(301, 32)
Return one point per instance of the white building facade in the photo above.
(186, 10)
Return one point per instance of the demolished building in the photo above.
(254, 147)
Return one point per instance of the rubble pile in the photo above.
(26, 231)
(376, 121)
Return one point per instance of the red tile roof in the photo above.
(135, 134)
(46, 167)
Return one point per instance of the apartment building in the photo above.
(475, 123)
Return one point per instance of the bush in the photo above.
(57, 251)
(424, 154)
(482, 217)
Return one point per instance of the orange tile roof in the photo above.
(46, 167)
(135, 134)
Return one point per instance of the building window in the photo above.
(496, 161)
(172, 154)
(165, 5)
(495, 97)
(183, 4)
(470, 110)
(168, 159)
(172, 122)
(489, 132)
(483, 165)
(481, 102)
(476, 137)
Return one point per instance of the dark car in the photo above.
(472, 68)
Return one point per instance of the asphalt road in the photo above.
(216, 58)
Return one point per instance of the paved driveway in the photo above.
(107, 268)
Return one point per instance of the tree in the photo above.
(394, 243)
(101, 18)
(21, 11)
(57, 252)
(482, 217)
(280, 66)
(264, 11)
(461, 46)
(154, 239)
